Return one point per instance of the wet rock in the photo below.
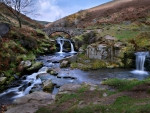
(48, 85)
(45, 76)
(58, 76)
(35, 66)
(59, 82)
(2, 80)
(53, 72)
(70, 59)
(36, 88)
(71, 77)
(64, 63)
(44, 69)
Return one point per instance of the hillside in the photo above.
(111, 12)
(19, 45)
(42, 22)
(8, 17)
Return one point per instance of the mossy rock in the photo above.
(2, 80)
(35, 66)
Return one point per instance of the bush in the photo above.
(28, 43)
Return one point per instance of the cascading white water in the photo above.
(32, 79)
(72, 48)
(61, 40)
(140, 60)
(61, 43)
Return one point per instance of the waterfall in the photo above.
(61, 43)
(61, 40)
(140, 60)
(72, 48)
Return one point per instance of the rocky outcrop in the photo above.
(30, 103)
(112, 51)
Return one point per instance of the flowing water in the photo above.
(140, 60)
(60, 41)
(65, 76)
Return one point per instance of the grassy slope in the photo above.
(7, 16)
(131, 96)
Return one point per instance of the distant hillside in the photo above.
(42, 22)
(112, 12)
(7, 16)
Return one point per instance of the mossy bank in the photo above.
(21, 44)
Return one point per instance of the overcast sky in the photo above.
(51, 10)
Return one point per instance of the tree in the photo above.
(16, 7)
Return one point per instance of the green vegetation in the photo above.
(84, 63)
(82, 100)
(20, 45)
(122, 85)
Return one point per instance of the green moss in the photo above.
(35, 66)
(122, 85)
(142, 41)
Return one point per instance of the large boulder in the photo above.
(48, 85)
(64, 63)
(30, 103)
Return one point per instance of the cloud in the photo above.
(51, 10)
(48, 10)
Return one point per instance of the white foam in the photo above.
(139, 72)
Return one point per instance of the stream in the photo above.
(33, 82)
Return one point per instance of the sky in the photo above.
(52, 10)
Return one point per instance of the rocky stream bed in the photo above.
(55, 77)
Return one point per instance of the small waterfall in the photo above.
(24, 87)
(60, 41)
(140, 60)
(72, 48)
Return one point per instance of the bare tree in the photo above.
(16, 7)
